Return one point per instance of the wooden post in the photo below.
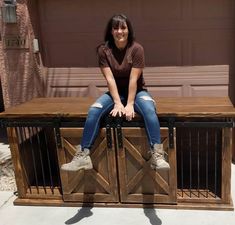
(16, 159)
(226, 165)
(233, 145)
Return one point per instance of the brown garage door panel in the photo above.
(182, 32)
(160, 81)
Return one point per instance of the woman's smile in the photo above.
(120, 35)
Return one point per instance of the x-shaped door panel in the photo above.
(96, 185)
(138, 182)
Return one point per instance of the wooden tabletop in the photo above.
(166, 106)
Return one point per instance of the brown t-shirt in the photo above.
(121, 62)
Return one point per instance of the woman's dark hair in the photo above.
(114, 22)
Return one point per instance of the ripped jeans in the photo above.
(144, 105)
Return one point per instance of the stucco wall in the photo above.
(21, 73)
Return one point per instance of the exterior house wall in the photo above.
(21, 76)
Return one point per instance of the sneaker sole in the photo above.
(159, 168)
(85, 167)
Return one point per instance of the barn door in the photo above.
(96, 185)
(138, 182)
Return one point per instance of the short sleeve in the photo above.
(102, 58)
(138, 60)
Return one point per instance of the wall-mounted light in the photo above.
(9, 11)
(35, 45)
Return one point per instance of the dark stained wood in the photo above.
(16, 159)
(96, 185)
(204, 164)
(185, 205)
(25, 168)
(226, 165)
(43, 193)
(138, 182)
(166, 106)
(129, 180)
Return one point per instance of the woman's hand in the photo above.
(129, 112)
(118, 109)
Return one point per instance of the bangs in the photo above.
(115, 22)
(118, 22)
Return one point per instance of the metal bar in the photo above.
(40, 157)
(73, 124)
(171, 132)
(41, 122)
(49, 163)
(33, 157)
(119, 131)
(21, 134)
(133, 123)
(108, 136)
(108, 122)
(190, 164)
(140, 123)
(57, 136)
(215, 168)
(198, 163)
(207, 163)
(182, 165)
(163, 123)
(28, 124)
(204, 124)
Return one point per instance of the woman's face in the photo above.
(120, 34)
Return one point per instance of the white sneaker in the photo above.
(81, 160)
(158, 161)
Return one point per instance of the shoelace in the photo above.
(78, 154)
(157, 155)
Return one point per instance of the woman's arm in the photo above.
(134, 76)
(118, 108)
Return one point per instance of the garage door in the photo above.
(173, 32)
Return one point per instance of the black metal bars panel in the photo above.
(37, 148)
(199, 162)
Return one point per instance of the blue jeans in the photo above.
(144, 105)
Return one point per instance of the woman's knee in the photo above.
(98, 109)
(146, 104)
(95, 110)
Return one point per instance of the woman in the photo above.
(121, 61)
